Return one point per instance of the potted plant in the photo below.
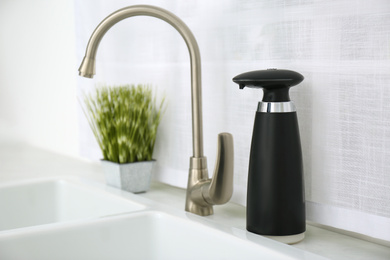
(124, 120)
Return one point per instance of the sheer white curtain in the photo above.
(341, 47)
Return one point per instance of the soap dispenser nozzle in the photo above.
(275, 83)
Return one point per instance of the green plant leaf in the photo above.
(124, 120)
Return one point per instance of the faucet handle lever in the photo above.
(221, 187)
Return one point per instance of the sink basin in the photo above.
(112, 224)
(49, 201)
(141, 235)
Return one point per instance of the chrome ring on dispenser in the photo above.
(276, 107)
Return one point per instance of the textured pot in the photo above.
(132, 177)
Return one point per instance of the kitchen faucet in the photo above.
(202, 192)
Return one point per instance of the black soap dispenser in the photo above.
(276, 197)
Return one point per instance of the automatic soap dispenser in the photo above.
(276, 197)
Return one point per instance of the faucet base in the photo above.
(199, 210)
(197, 177)
(202, 192)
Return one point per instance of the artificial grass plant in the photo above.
(124, 120)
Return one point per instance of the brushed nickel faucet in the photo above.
(202, 192)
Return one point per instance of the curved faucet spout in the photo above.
(202, 192)
(87, 67)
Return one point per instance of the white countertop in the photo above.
(20, 161)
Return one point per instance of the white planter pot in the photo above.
(132, 177)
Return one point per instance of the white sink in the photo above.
(49, 201)
(142, 235)
(112, 224)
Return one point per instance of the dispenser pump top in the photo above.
(274, 82)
